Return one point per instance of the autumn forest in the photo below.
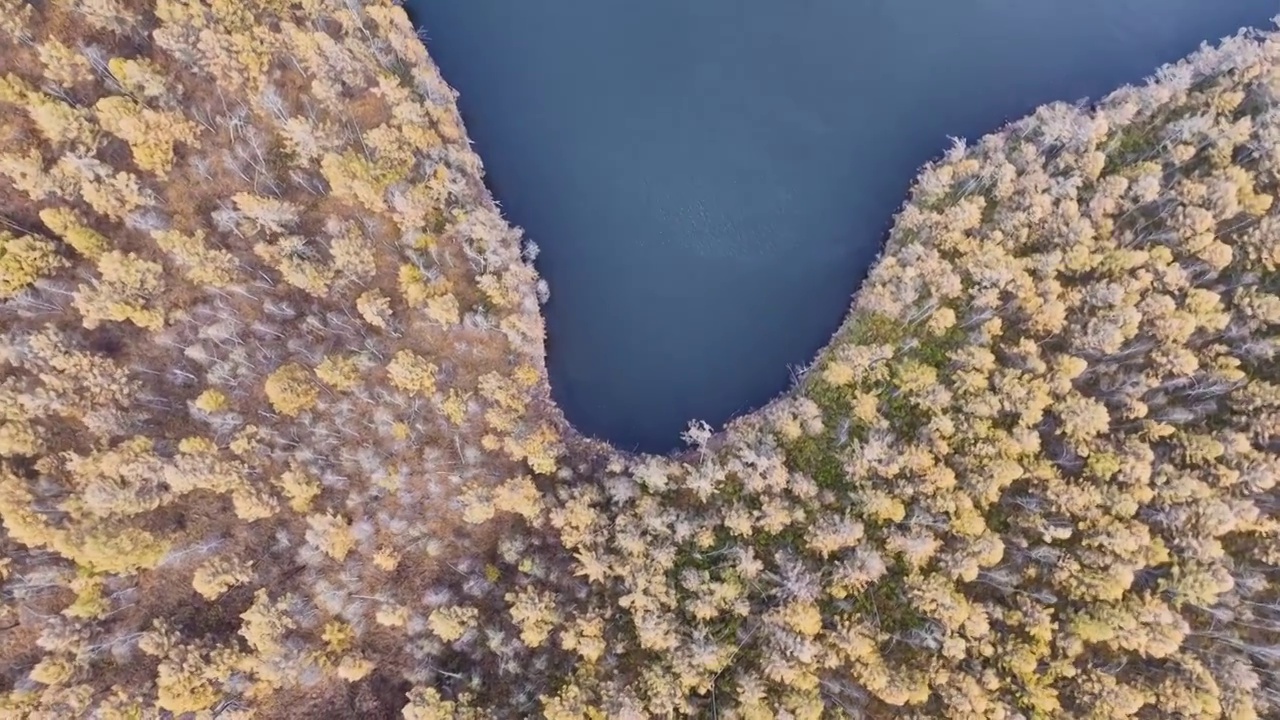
(276, 438)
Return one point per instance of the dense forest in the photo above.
(276, 440)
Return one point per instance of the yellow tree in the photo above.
(140, 77)
(290, 390)
(14, 16)
(452, 622)
(411, 373)
(125, 291)
(27, 173)
(115, 194)
(151, 134)
(353, 255)
(534, 613)
(203, 264)
(75, 232)
(331, 534)
(218, 575)
(298, 263)
(23, 260)
(63, 65)
(265, 214)
(340, 372)
(60, 123)
(299, 487)
(375, 308)
(109, 15)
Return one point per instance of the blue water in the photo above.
(709, 180)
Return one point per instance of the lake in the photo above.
(709, 180)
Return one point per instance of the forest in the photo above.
(276, 439)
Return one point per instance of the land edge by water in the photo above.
(828, 477)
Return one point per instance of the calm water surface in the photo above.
(710, 179)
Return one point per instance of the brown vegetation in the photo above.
(229, 435)
(274, 435)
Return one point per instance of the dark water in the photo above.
(709, 179)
